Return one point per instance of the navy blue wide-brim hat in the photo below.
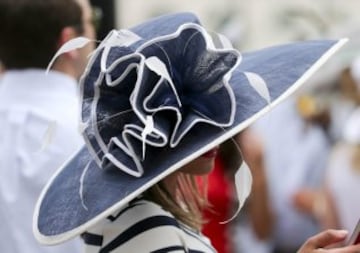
(154, 98)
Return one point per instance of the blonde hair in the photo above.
(186, 201)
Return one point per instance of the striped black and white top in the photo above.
(144, 227)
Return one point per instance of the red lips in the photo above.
(211, 153)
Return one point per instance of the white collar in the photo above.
(37, 81)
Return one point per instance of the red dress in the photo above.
(219, 195)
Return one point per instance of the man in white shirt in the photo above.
(38, 112)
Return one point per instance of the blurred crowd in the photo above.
(305, 160)
(304, 156)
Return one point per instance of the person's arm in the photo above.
(319, 204)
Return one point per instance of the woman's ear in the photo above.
(67, 34)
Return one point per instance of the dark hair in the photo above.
(30, 30)
(230, 155)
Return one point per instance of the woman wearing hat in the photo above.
(157, 101)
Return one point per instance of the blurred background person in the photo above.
(295, 151)
(336, 204)
(38, 112)
(342, 209)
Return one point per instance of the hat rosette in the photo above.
(154, 94)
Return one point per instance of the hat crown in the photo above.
(154, 92)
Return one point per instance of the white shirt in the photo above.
(142, 227)
(38, 122)
(343, 181)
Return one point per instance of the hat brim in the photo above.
(62, 213)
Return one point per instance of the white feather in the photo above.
(243, 183)
(70, 45)
(156, 65)
(149, 127)
(259, 85)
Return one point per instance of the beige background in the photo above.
(253, 24)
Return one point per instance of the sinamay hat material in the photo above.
(154, 98)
